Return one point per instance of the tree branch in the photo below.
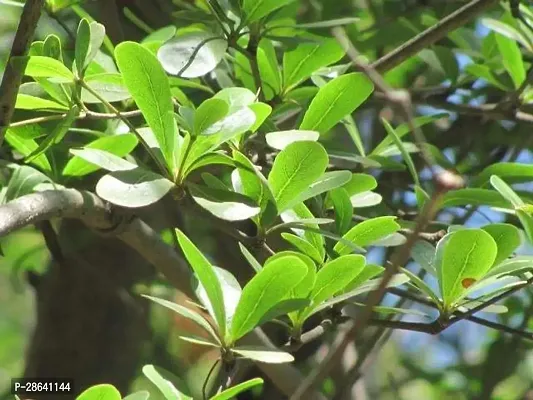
(13, 74)
(98, 215)
(431, 35)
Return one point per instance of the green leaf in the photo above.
(486, 73)
(507, 238)
(110, 86)
(328, 23)
(505, 190)
(360, 183)
(512, 266)
(343, 209)
(27, 102)
(165, 382)
(210, 111)
(281, 139)
(302, 289)
(512, 59)
(304, 246)
(148, 84)
(100, 392)
(250, 258)
(421, 285)
(89, 38)
(261, 111)
(328, 181)
(232, 392)
(295, 168)
(236, 97)
(224, 204)
(366, 232)
(192, 54)
(23, 181)
(118, 145)
(405, 155)
(208, 278)
(527, 223)
(306, 58)
(269, 70)
(512, 172)
(351, 127)
(46, 67)
(365, 199)
(369, 271)
(334, 276)
(254, 185)
(56, 135)
(186, 313)
(257, 9)
(103, 159)
(140, 395)
(476, 197)
(264, 291)
(133, 188)
(311, 233)
(27, 146)
(264, 355)
(335, 100)
(424, 253)
(467, 255)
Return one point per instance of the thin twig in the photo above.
(13, 73)
(433, 34)
(83, 115)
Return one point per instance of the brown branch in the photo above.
(431, 35)
(13, 73)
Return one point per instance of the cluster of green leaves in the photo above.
(268, 69)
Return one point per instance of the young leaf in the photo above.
(236, 97)
(365, 199)
(56, 135)
(89, 38)
(512, 59)
(27, 146)
(23, 181)
(366, 232)
(250, 258)
(103, 159)
(512, 172)
(506, 191)
(27, 102)
(338, 98)
(148, 84)
(360, 183)
(281, 139)
(192, 54)
(224, 204)
(133, 188)
(254, 185)
(302, 289)
(210, 111)
(186, 313)
(140, 395)
(118, 145)
(46, 67)
(309, 232)
(295, 168)
(334, 276)
(100, 392)
(467, 255)
(232, 392)
(165, 382)
(257, 9)
(264, 355)
(304, 246)
(306, 58)
(405, 155)
(328, 181)
(110, 86)
(476, 197)
(343, 209)
(507, 238)
(264, 291)
(208, 278)
(423, 253)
